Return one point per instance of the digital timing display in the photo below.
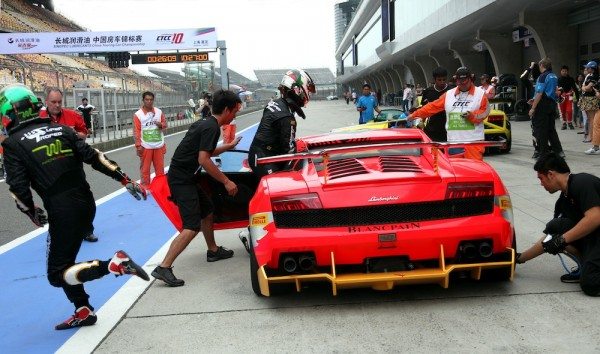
(168, 58)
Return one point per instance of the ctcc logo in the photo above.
(174, 38)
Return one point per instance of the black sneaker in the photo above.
(220, 253)
(91, 238)
(83, 316)
(572, 277)
(166, 275)
(571, 126)
(564, 126)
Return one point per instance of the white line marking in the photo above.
(86, 339)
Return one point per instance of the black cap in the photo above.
(462, 73)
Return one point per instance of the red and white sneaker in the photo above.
(83, 316)
(122, 264)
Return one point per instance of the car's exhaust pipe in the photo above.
(485, 250)
(306, 263)
(289, 264)
(469, 250)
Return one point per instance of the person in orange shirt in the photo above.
(149, 125)
(487, 87)
(466, 107)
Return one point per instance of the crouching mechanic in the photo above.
(276, 133)
(575, 229)
(48, 157)
(466, 107)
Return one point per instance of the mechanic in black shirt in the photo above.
(436, 125)
(196, 210)
(48, 157)
(276, 133)
(575, 228)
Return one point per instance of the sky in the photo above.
(260, 34)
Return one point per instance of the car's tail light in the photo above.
(503, 202)
(297, 202)
(469, 190)
(497, 119)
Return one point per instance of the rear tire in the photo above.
(508, 145)
(274, 289)
(254, 271)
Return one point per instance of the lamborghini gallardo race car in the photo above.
(387, 118)
(373, 208)
(497, 128)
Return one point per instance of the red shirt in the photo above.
(69, 118)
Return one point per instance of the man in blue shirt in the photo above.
(544, 110)
(366, 104)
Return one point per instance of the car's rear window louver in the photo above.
(344, 168)
(398, 164)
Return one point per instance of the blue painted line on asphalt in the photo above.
(31, 307)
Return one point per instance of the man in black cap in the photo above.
(466, 107)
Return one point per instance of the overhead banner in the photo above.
(112, 41)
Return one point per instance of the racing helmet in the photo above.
(18, 104)
(298, 85)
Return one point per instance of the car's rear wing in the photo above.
(326, 153)
(387, 146)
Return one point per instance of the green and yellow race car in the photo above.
(497, 125)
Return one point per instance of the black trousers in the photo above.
(262, 169)
(589, 247)
(544, 130)
(70, 216)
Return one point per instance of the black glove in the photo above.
(137, 191)
(36, 214)
(554, 244)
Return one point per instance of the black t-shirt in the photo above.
(86, 110)
(590, 78)
(436, 126)
(203, 135)
(567, 83)
(583, 193)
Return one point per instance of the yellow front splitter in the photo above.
(385, 281)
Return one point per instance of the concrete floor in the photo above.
(216, 311)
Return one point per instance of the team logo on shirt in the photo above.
(40, 134)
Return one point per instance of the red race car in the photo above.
(373, 209)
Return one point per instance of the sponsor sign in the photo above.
(113, 41)
(168, 58)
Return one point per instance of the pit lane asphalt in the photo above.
(216, 311)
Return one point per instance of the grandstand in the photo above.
(64, 71)
(69, 71)
(323, 78)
